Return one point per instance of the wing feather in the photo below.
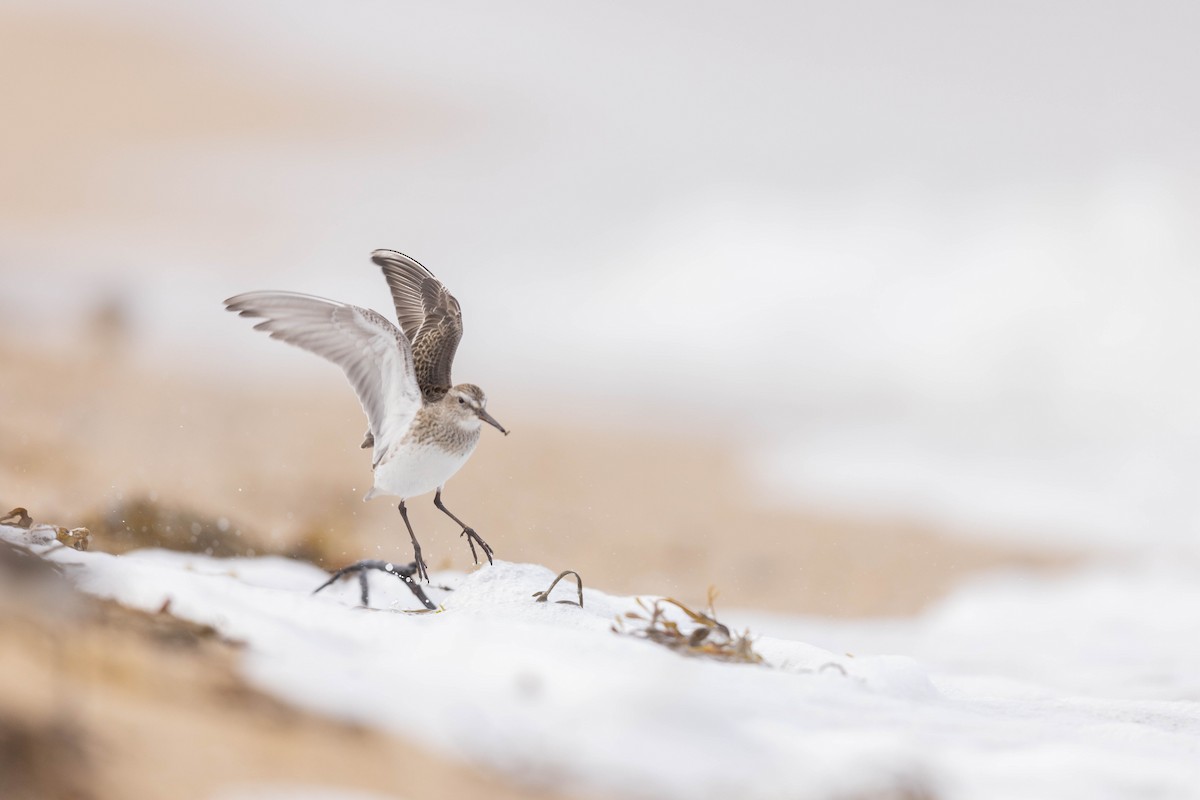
(374, 355)
(429, 316)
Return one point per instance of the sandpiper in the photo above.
(421, 426)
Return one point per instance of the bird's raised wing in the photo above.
(375, 356)
(429, 316)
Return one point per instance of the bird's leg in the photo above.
(469, 532)
(422, 570)
(404, 573)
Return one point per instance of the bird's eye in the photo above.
(461, 401)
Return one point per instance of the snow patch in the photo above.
(990, 700)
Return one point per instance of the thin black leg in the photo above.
(422, 570)
(404, 573)
(468, 531)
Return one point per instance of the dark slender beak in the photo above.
(490, 420)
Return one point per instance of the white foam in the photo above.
(1080, 687)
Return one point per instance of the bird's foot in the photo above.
(474, 538)
(361, 568)
(419, 562)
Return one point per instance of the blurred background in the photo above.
(834, 307)
(826, 305)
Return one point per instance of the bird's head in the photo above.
(469, 404)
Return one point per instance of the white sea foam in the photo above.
(1076, 687)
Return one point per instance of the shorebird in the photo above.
(422, 427)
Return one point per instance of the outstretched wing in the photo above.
(374, 355)
(429, 316)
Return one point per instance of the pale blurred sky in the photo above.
(938, 255)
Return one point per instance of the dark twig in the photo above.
(360, 568)
(544, 596)
(18, 518)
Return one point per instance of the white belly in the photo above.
(415, 469)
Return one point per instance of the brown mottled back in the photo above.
(429, 316)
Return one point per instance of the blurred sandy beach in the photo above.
(632, 512)
(928, 311)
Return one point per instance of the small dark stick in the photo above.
(18, 518)
(542, 597)
(404, 573)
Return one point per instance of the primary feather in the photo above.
(429, 316)
(374, 355)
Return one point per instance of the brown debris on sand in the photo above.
(707, 638)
